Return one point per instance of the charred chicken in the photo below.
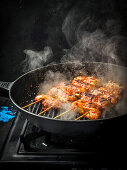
(86, 94)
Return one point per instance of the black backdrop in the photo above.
(34, 25)
(29, 25)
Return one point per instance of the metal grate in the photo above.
(36, 108)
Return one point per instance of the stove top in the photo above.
(27, 143)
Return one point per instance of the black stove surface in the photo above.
(27, 143)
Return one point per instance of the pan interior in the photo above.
(26, 87)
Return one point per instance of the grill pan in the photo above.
(24, 89)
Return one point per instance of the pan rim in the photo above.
(48, 118)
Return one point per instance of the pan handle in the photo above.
(5, 85)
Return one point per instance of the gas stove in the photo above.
(27, 143)
(36, 34)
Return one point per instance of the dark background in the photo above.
(34, 25)
(28, 25)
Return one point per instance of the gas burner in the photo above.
(34, 139)
(28, 143)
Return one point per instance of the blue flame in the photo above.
(6, 113)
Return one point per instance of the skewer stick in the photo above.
(82, 116)
(45, 110)
(62, 113)
(31, 103)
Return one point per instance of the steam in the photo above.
(93, 35)
(71, 115)
(36, 59)
(95, 47)
(93, 31)
(51, 80)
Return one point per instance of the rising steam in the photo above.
(93, 35)
(95, 47)
(51, 80)
(36, 59)
(93, 30)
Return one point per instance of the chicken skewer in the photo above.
(91, 100)
(93, 111)
(86, 83)
(65, 91)
(94, 103)
(80, 106)
(98, 103)
(32, 103)
(90, 105)
(83, 115)
(111, 92)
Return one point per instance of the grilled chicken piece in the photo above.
(81, 107)
(64, 92)
(40, 97)
(51, 102)
(111, 92)
(86, 83)
(88, 80)
(69, 88)
(48, 101)
(60, 94)
(96, 100)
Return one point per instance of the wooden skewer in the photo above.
(31, 103)
(82, 116)
(45, 110)
(69, 111)
(62, 113)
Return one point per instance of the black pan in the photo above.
(25, 88)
